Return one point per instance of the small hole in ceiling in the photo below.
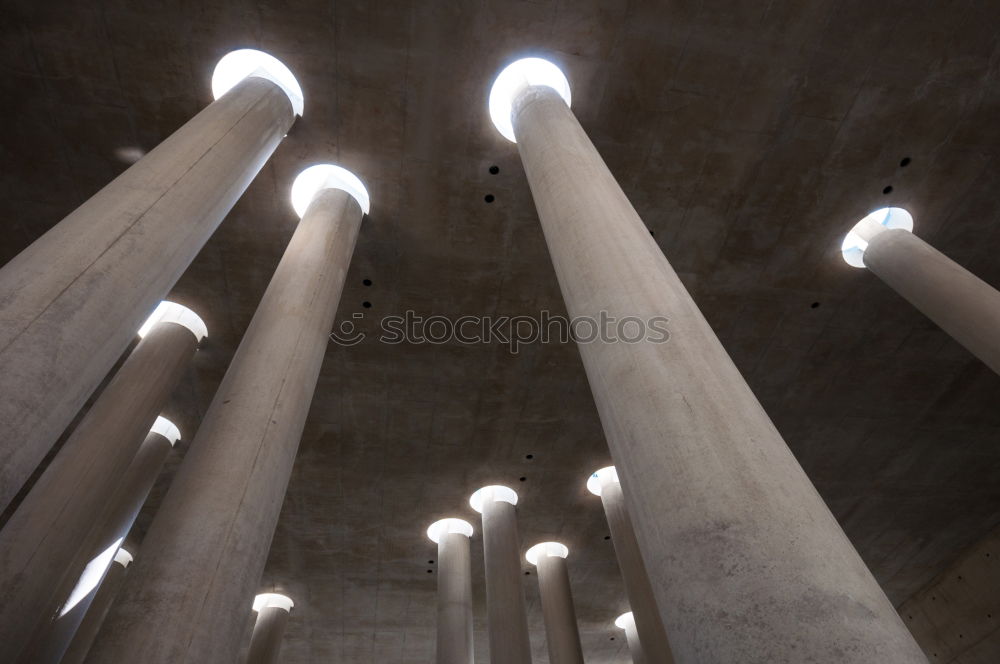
(524, 479)
(814, 305)
(366, 304)
(607, 537)
(367, 282)
(430, 571)
(532, 456)
(494, 169)
(904, 162)
(489, 198)
(527, 573)
(887, 190)
(430, 562)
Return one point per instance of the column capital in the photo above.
(171, 312)
(599, 478)
(495, 493)
(879, 221)
(513, 80)
(245, 62)
(316, 178)
(445, 526)
(554, 549)
(276, 600)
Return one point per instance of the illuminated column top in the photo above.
(238, 65)
(495, 493)
(276, 600)
(316, 178)
(857, 239)
(513, 80)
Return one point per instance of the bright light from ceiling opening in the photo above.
(277, 600)
(327, 176)
(855, 242)
(595, 483)
(171, 312)
(622, 621)
(438, 529)
(237, 65)
(495, 493)
(166, 428)
(546, 549)
(513, 79)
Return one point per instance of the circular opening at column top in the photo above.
(171, 312)
(855, 242)
(513, 79)
(237, 65)
(623, 620)
(445, 526)
(123, 557)
(546, 549)
(278, 601)
(166, 428)
(595, 482)
(327, 176)
(496, 493)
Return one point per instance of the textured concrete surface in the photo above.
(562, 636)
(749, 136)
(268, 633)
(956, 617)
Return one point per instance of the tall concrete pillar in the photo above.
(44, 546)
(272, 617)
(94, 618)
(746, 561)
(505, 604)
(604, 483)
(562, 636)
(204, 553)
(454, 602)
(71, 302)
(959, 302)
(626, 621)
(78, 591)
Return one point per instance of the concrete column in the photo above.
(44, 545)
(94, 617)
(70, 303)
(505, 604)
(604, 483)
(626, 621)
(959, 302)
(205, 551)
(92, 561)
(272, 617)
(562, 636)
(746, 562)
(454, 612)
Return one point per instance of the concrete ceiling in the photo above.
(749, 136)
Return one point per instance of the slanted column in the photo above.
(735, 538)
(94, 557)
(562, 636)
(505, 604)
(959, 302)
(454, 601)
(604, 483)
(70, 302)
(47, 542)
(94, 618)
(272, 617)
(202, 558)
(626, 621)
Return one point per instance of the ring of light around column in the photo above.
(513, 79)
(327, 176)
(595, 483)
(622, 621)
(496, 493)
(277, 600)
(546, 549)
(166, 428)
(445, 526)
(171, 312)
(123, 558)
(237, 65)
(854, 245)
